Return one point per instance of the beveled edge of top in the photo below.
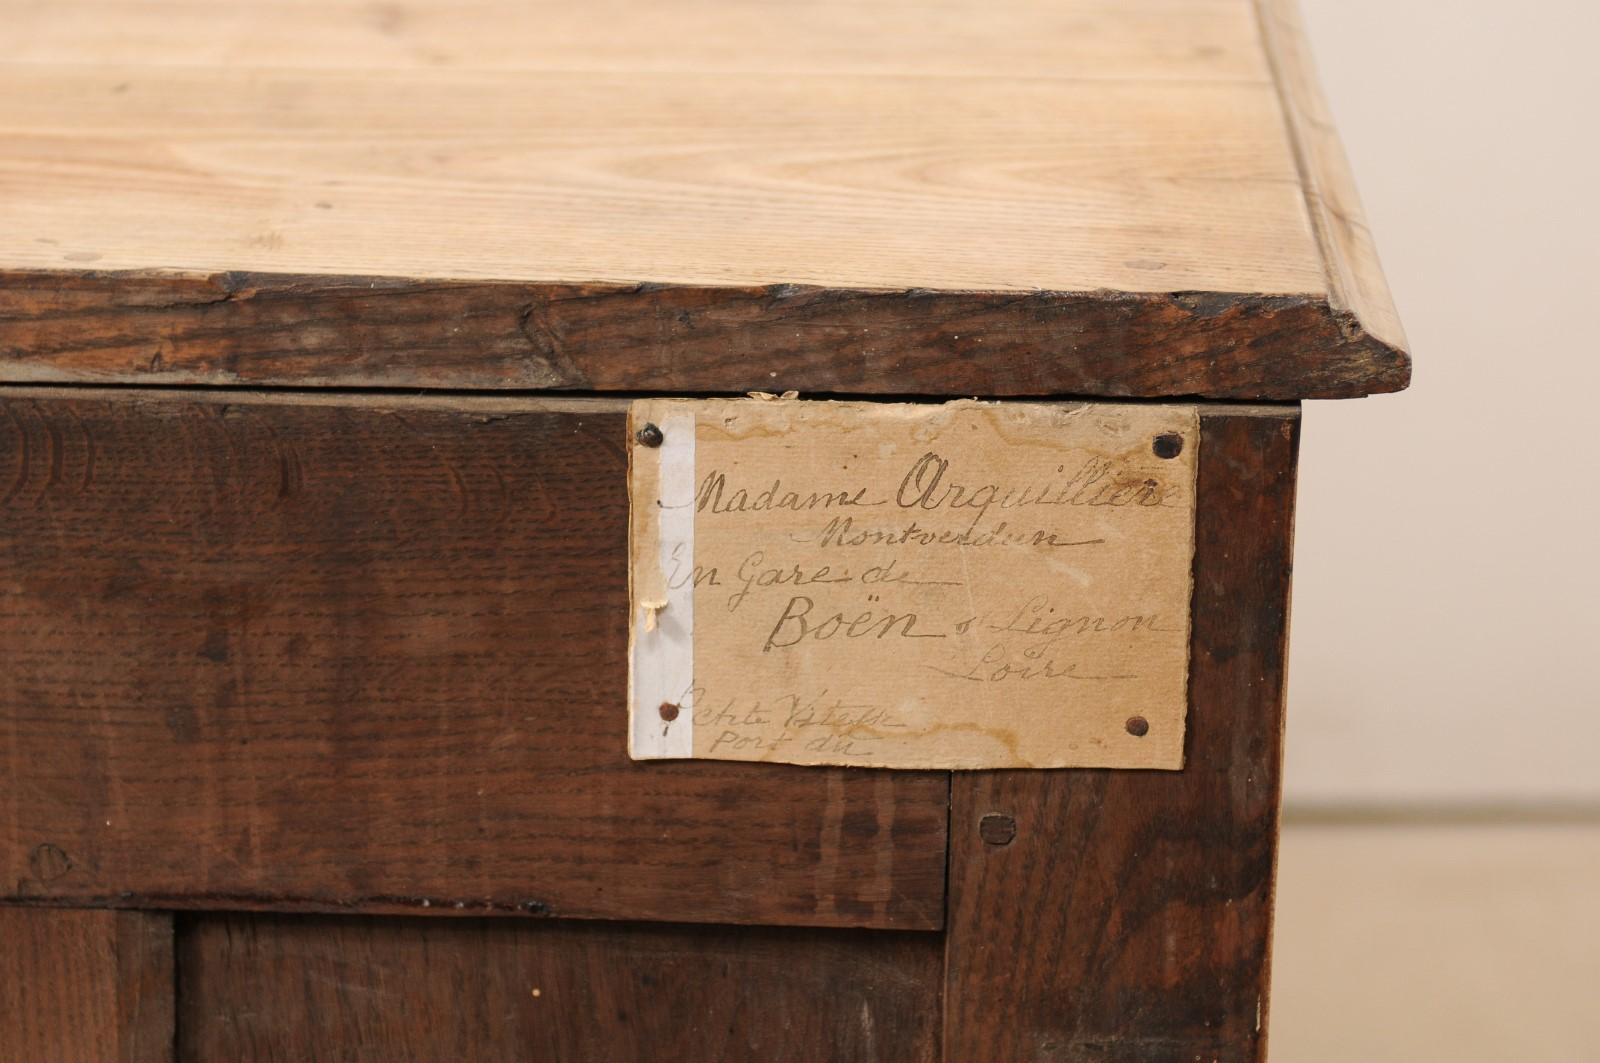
(279, 330)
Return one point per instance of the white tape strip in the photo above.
(663, 644)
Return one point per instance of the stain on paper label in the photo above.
(966, 585)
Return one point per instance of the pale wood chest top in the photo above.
(1138, 197)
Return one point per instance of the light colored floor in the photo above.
(1437, 942)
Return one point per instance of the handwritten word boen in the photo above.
(1036, 618)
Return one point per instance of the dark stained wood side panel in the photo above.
(271, 329)
(335, 653)
(381, 989)
(85, 986)
(1128, 920)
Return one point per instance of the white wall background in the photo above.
(1446, 629)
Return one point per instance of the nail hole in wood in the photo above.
(997, 829)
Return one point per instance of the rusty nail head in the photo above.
(1167, 445)
(649, 436)
(997, 829)
(668, 711)
(1138, 726)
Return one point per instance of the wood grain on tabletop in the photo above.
(1125, 916)
(85, 987)
(361, 654)
(1105, 197)
(380, 989)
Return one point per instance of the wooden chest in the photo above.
(319, 329)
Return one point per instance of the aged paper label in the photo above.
(967, 585)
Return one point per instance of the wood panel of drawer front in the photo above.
(345, 653)
(86, 986)
(298, 988)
